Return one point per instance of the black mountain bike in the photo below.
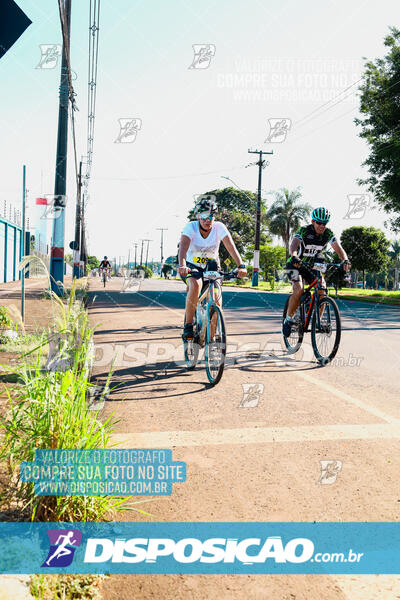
(209, 328)
(319, 311)
(104, 276)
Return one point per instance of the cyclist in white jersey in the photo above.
(199, 244)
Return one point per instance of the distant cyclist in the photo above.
(199, 243)
(306, 245)
(105, 264)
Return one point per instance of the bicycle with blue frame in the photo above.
(318, 311)
(209, 327)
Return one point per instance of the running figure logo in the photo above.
(278, 130)
(330, 470)
(358, 204)
(50, 53)
(251, 394)
(128, 129)
(63, 543)
(203, 54)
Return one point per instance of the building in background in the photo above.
(10, 243)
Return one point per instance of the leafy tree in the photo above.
(286, 214)
(379, 104)
(395, 261)
(93, 262)
(147, 271)
(272, 259)
(237, 210)
(171, 260)
(367, 248)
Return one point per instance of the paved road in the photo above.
(257, 458)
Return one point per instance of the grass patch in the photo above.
(66, 587)
(264, 286)
(374, 293)
(49, 409)
(21, 345)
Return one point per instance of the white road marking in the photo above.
(347, 398)
(258, 435)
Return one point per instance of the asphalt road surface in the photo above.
(254, 443)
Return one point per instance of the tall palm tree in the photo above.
(286, 214)
(395, 256)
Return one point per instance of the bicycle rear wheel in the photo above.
(215, 350)
(191, 348)
(325, 338)
(294, 341)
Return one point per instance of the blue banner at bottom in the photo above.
(206, 548)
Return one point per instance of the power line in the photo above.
(94, 20)
(329, 101)
(168, 176)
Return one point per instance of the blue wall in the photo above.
(10, 251)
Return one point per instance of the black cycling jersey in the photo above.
(105, 264)
(311, 243)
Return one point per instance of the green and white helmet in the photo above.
(321, 215)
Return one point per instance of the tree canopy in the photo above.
(367, 248)
(380, 107)
(286, 214)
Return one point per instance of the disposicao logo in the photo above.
(190, 550)
(63, 543)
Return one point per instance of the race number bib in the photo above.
(201, 260)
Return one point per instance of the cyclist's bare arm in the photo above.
(294, 246)
(340, 251)
(183, 248)
(230, 246)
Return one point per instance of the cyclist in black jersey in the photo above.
(306, 245)
(105, 264)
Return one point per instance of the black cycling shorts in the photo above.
(293, 274)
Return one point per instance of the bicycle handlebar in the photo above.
(230, 275)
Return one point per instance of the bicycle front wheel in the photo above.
(191, 349)
(294, 341)
(325, 335)
(215, 350)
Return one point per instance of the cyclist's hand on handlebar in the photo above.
(296, 262)
(241, 273)
(183, 271)
(346, 264)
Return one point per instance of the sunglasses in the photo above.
(206, 217)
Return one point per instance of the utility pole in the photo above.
(162, 229)
(135, 246)
(82, 240)
(141, 253)
(256, 263)
(57, 242)
(78, 248)
(23, 242)
(129, 256)
(147, 251)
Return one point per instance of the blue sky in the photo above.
(272, 60)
